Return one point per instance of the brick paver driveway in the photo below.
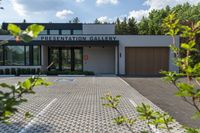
(73, 104)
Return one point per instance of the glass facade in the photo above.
(1, 55)
(54, 32)
(14, 55)
(36, 55)
(20, 55)
(77, 32)
(66, 32)
(44, 32)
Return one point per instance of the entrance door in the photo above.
(66, 58)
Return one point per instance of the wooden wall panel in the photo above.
(146, 61)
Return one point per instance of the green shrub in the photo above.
(1, 72)
(13, 71)
(18, 71)
(28, 71)
(7, 71)
(33, 71)
(67, 72)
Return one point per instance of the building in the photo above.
(89, 47)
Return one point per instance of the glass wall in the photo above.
(66, 32)
(77, 32)
(36, 55)
(1, 55)
(54, 32)
(14, 55)
(20, 55)
(78, 59)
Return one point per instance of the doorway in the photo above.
(64, 58)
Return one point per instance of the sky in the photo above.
(86, 10)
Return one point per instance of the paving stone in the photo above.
(78, 107)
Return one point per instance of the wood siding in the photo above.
(146, 61)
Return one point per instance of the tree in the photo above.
(132, 28)
(76, 20)
(97, 21)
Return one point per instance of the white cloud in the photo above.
(157, 4)
(138, 14)
(79, 1)
(104, 19)
(64, 13)
(19, 8)
(102, 2)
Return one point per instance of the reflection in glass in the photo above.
(36, 55)
(78, 59)
(1, 55)
(54, 58)
(27, 55)
(14, 55)
(66, 59)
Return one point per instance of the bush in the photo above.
(1, 72)
(7, 71)
(18, 71)
(13, 71)
(33, 71)
(67, 72)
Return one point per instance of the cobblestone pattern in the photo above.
(78, 107)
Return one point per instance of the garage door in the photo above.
(146, 61)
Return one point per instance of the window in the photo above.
(14, 55)
(36, 55)
(1, 55)
(44, 32)
(20, 55)
(54, 32)
(66, 32)
(27, 48)
(77, 32)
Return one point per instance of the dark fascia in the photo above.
(68, 43)
(51, 26)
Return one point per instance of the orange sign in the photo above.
(85, 57)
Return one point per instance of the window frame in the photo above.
(25, 60)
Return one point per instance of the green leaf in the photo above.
(27, 84)
(7, 113)
(34, 30)
(14, 29)
(28, 115)
(185, 90)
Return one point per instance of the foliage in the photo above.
(189, 91)
(126, 27)
(27, 35)
(145, 112)
(112, 101)
(122, 119)
(12, 96)
(159, 120)
(192, 130)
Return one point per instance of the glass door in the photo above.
(54, 58)
(78, 59)
(66, 59)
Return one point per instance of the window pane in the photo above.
(36, 55)
(78, 59)
(54, 32)
(66, 32)
(44, 32)
(1, 55)
(14, 55)
(66, 59)
(77, 32)
(27, 55)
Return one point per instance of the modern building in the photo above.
(89, 47)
